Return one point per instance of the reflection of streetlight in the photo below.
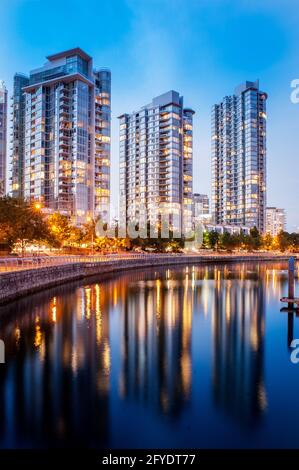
(90, 221)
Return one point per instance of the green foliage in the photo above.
(24, 223)
(230, 241)
(212, 239)
(60, 227)
(287, 241)
(21, 222)
(66, 235)
(106, 244)
(205, 240)
(158, 244)
(255, 239)
(227, 241)
(268, 242)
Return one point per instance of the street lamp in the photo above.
(37, 206)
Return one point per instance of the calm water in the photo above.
(189, 357)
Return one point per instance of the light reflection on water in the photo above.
(189, 357)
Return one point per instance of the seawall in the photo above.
(17, 284)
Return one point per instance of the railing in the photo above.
(18, 263)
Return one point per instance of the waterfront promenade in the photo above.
(22, 276)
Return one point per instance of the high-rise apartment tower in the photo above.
(3, 137)
(62, 154)
(156, 146)
(239, 158)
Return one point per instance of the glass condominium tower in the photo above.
(17, 150)
(239, 158)
(66, 158)
(156, 151)
(3, 137)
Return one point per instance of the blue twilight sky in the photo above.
(201, 48)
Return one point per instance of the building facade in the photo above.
(231, 229)
(66, 137)
(239, 158)
(201, 208)
(17, 149)
(3, 137)
(275, 220)
(156, 151)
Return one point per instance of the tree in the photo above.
(256, 238)
(158, 243)
(213, 238)
(294, 241)
(60, 226)
(205, 240)
(283, 241)
(21, 222)
(66, 234)
(76, 236)
(230, 241)
(111, 244)
(174, 246)
(242, 239)
(268, 241)
(253, 241)
(226, 241)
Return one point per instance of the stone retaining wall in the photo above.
(19, 283)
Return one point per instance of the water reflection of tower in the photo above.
(63, 345)
(238, 333)
(157, 325)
